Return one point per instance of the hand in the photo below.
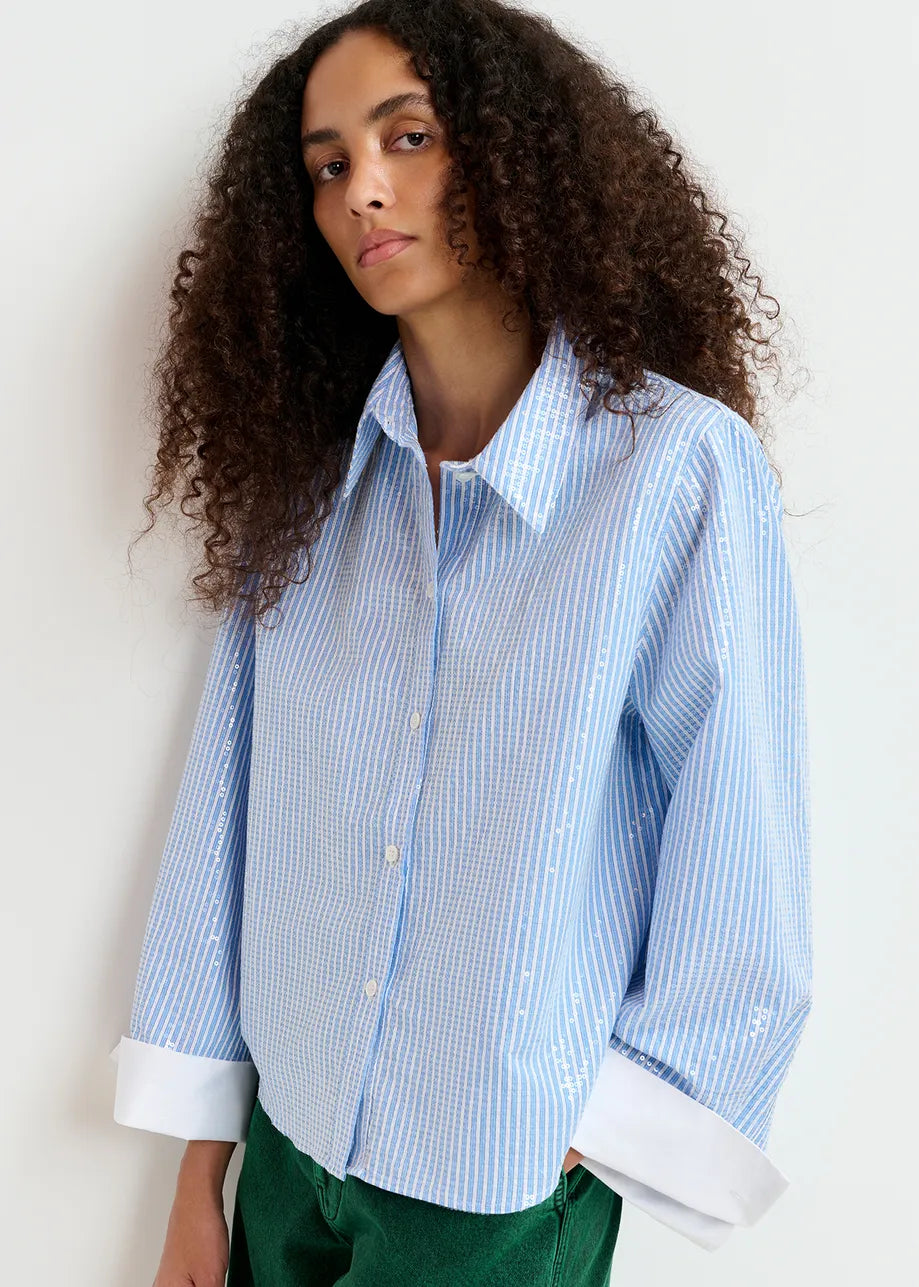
(572, 1158)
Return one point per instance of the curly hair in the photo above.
(583, 209)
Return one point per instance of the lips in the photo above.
(377, 238)
(386, 250)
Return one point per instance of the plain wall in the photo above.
(803, 121)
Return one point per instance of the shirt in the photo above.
(495, 845)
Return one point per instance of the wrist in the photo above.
(204, 1166)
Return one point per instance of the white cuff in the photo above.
(190, 1096)
(671, 1156)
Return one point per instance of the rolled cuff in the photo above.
(671, 1156)
(190, 1096)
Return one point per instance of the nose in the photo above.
(367, 185)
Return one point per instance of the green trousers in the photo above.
(297, 1225)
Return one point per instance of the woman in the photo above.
(485, 902)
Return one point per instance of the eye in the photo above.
(325, 167)
(408, 134)
(414, 134)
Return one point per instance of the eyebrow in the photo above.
(386, 107)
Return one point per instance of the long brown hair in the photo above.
(583, 209)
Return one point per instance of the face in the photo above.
(379, 165)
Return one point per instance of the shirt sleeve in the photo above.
(184, 1068)
(717, 762)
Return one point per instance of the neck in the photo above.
(467, 372)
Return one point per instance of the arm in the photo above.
(679, 1117)
(184, 1069)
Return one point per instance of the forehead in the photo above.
(368, 59)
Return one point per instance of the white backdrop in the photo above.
(803, 117)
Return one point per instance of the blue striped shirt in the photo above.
(498, 843)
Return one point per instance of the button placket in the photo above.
(393, 852)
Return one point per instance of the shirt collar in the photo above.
(524, 460)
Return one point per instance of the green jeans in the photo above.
(297, 1225)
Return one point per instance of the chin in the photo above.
(399, 299)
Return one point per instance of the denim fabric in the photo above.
(297, 1225)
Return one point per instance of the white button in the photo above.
(415, 719)
(392, 854)
(462, 475)
(370, 987)
(429, 589)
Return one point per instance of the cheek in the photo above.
(326, 224)
(436, 179)
(320, 213)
